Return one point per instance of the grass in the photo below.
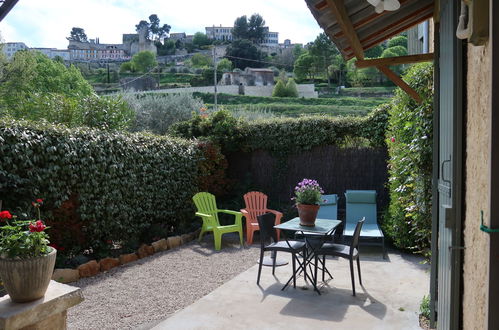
(337, 101)
(296, 110)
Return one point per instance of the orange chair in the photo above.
(256, 204)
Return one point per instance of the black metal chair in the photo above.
(266, 223)
(344, 251)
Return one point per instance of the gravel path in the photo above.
(140, 294)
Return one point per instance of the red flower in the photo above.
(37, 226)
(5, 215)
(393, 139)
(39, 200)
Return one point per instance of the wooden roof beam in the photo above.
(387, 61)
(5, 7)
(340, 12)
(400, 83)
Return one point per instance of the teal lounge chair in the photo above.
(362, 204)
(329, 207)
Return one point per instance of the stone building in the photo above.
(249, 77)
(93, 50)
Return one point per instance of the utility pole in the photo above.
(215, 106)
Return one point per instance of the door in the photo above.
(449, 168)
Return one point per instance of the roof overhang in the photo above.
(354, 27)
(343, 20)
(5, 7)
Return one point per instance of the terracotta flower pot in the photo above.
(27, 279)
(307, 214)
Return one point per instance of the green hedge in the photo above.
(286, 134)
(116, 185)
(409, 140)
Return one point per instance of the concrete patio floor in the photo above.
(390, 298)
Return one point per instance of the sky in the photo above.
(47, 23)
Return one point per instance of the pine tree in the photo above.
(291, 89)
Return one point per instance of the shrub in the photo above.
(157, 112)
(409, 140)
(144, 61)
(291, 89)
(109, 185)
(398, 41)
(127, 67)
(279, 89)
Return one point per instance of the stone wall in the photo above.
(477, 197)
(304, 90)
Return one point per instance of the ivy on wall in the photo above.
(409, 138)
(114, 185)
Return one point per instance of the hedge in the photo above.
(99, 186)
(297, 110)
(284, 135)
(409, 140)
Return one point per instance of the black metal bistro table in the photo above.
(322, 229)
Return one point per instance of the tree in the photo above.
(323, 52)
(154, 29)
(252, 28)
(240, 30)
(374, 52)
(199, 61)
(244, 54)
(224, 65)
(304, 67)
(77, 34)
(144, 61)
(256, 29)
(200, 39)
(398, 41)
(167, 48)
(127, 67)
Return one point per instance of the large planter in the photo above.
(307, 214)
(27, 279)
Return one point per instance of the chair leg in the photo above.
(352, 276)
(274, 255)
(260, 267)
(358, 268)
(249, 236)
(201, 234)
(323, 267)
(218, 240)
(241, 237)
(294, 270)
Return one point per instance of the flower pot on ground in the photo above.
(308, 195)
(26, 260)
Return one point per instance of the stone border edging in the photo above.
(92, 267)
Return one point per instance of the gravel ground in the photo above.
(140, 294)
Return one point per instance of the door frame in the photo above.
(493, 280)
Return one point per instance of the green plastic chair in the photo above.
(208, 211)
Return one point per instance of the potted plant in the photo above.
(308, 195)
(26, 260)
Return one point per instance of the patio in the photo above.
(393, 289)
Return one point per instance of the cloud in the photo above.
(47, 23)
